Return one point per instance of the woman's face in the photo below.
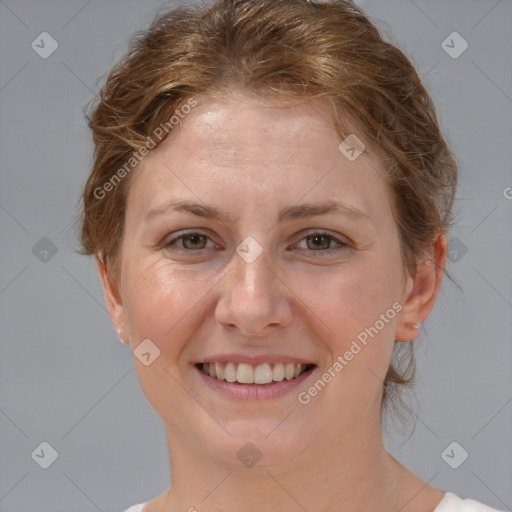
(253, 269)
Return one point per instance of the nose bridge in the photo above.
(253, 279)
(253, 297)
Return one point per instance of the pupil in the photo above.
(316, 238)
(194, 238)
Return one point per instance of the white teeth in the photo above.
(230, 372)
(219, 371)
(244, 373)
(289, 370)
(262, 374)
(278, 373)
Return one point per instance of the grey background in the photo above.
(64, 377)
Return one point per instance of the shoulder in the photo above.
(136, 508)
(452, 503)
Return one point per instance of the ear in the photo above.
(112, 298)
(421, 291)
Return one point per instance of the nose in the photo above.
(254, 298)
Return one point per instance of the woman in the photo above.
(268, 209)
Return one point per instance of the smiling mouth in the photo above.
(243, 373)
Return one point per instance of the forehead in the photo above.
(246, 118)
(236, 141)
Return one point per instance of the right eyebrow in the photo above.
(289, 212)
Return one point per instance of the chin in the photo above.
(257, 445)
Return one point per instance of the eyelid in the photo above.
(342, 244)
(339, 238)
(199, 231)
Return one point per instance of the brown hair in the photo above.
(282, 49)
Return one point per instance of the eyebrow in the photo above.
(297, 211)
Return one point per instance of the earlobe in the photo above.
(422, 291)
(113, 298)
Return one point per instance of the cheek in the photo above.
(360, 306)
(160, 303)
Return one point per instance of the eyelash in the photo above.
(324, 252)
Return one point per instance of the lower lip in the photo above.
(255, 391)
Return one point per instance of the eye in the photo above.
(320, 242)
(188, 242)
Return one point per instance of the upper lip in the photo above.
(253, 360)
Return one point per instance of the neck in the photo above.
(342, 473)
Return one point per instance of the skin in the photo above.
(252, 158)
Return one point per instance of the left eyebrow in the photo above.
(312, 209)
(298, 211)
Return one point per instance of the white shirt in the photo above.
(450, 503)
